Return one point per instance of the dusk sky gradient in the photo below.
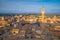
(29, 6)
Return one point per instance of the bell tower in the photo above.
(42, 14)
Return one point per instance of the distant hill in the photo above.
(12, 14)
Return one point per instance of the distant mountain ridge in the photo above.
(5, 14)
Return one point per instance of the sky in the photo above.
(29, 6)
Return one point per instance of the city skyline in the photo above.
(29, 6)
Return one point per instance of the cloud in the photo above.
(8, 9)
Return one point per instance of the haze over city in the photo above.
(29, 6)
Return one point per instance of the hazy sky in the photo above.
(29, 6)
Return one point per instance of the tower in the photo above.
(54, 18)
(2, 18)
(42, 14)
